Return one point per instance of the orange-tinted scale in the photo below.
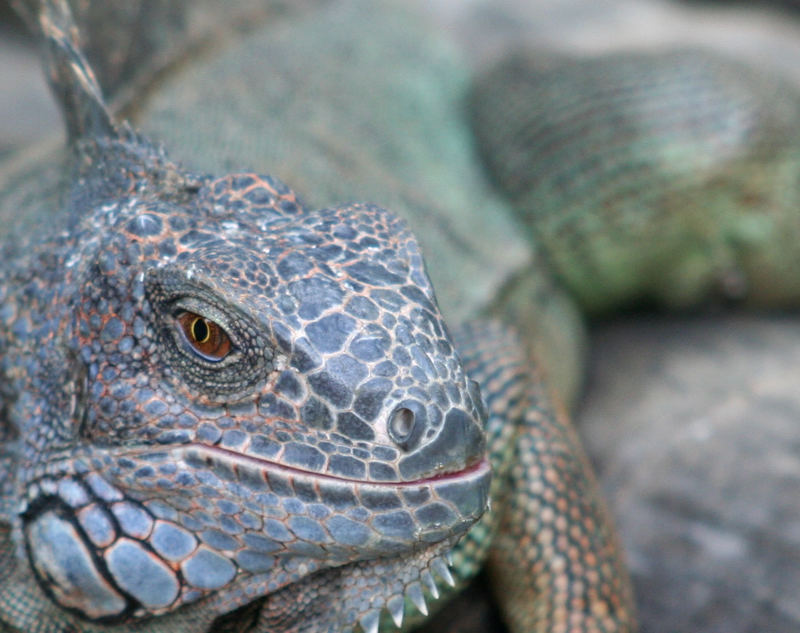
(206, 337)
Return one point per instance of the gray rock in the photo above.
(693, 424)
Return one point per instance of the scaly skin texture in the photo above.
(665, 177)
(553, 561)
(223, 410)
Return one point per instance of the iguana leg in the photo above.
(554, 562)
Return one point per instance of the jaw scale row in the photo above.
(413, 592)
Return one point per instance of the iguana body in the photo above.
(224, 410)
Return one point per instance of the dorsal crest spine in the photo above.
(69, 74)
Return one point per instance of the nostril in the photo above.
(406, 424)
(402, 423)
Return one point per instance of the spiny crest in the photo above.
(110, 159)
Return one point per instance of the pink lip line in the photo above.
(479, 468)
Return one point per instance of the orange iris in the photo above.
(206, 337)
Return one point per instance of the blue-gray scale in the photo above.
(97, 525)
(172, 543)
(67, 557)
(254, 561)
(141, 574)
(208, 570)
(72, 493)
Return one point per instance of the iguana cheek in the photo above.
(67, 568)
(110, 559)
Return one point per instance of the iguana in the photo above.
(224, 409)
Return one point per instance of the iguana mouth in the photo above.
(361, 518)
(199, 519)
(209, 454)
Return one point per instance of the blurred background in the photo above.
(762, 32)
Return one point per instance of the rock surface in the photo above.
(694, 426)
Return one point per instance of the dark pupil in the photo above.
(200, 330)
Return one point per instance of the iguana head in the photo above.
(249, 393)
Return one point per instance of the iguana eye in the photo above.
(206, 338)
